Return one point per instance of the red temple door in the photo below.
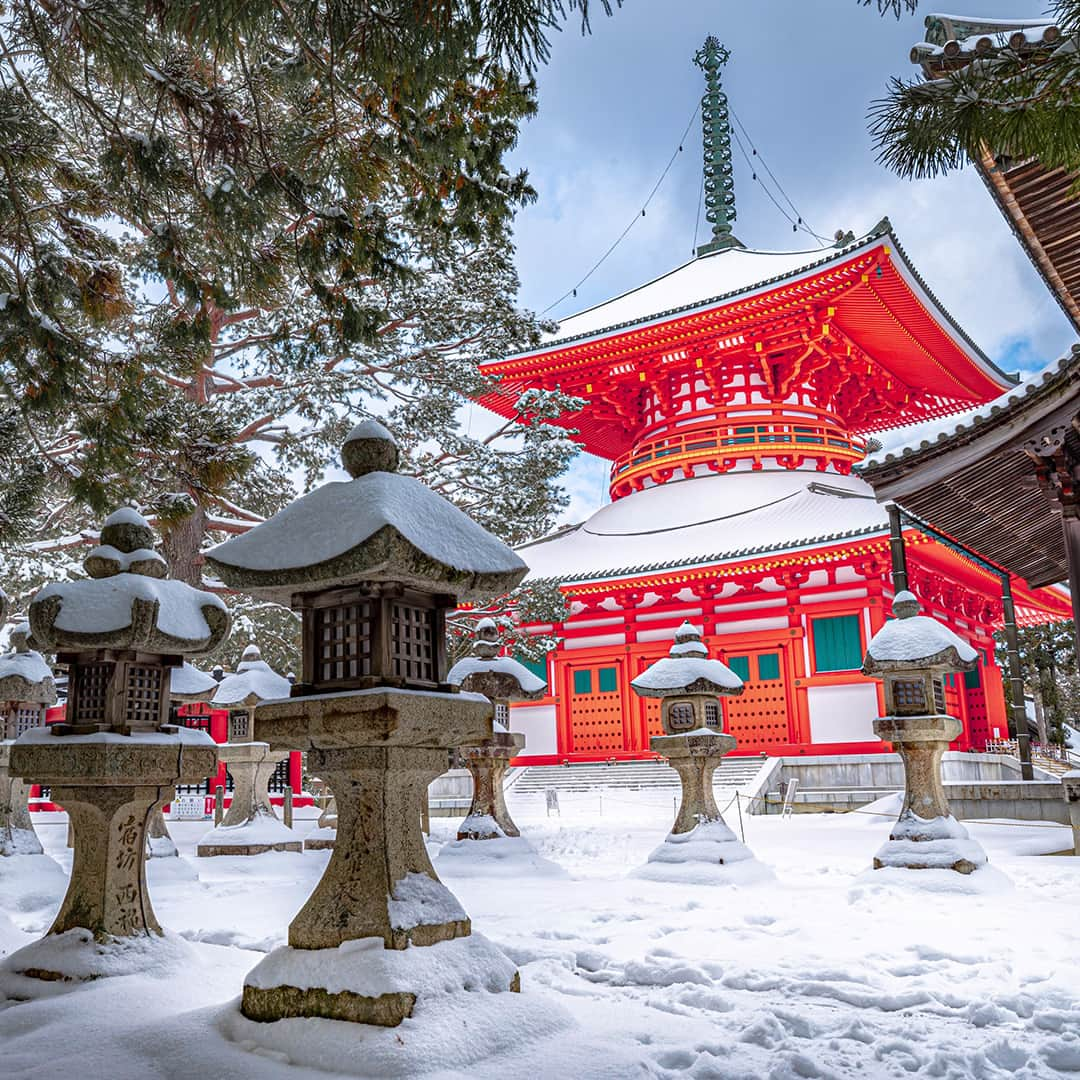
(760, 717)
(594, 694)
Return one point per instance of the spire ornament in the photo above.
(716, 145)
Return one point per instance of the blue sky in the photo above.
(613, 106)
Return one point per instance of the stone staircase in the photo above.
(733, 773)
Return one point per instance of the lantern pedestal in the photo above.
(488, 817)
(17, 836)
(322, 837)
(250, 825)
(699, 835)
(109, 785)
(926, 836)
(378, 750)
(1070, 784)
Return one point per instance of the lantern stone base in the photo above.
(321, 838)
(700, 847)
(488, 817)
(17, 836)
(926, 836)
(364, 983)
(250, 826)
(110, 786)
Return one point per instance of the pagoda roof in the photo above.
(718, 519)
(719, 299)
(975, 480)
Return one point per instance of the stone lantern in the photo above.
(250, 825)
(115, 758)
(372, 564)
(26, 690)
(912, 654)
(689, 686)
(501, 679)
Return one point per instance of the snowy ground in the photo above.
(813, 974)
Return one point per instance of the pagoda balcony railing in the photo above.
(789, 444)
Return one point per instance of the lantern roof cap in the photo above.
(687, 670)
(253, 681)
(24, 674)
(126, 602)
(378, 527)
(188, 683)
(470, 672)
(911, 640)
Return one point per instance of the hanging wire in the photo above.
(634, 220)
(697, 216)
(797, 222)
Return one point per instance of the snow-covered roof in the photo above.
(126, 603)
(379, 526)
(916, 639)
(687, 670)
(188, 683)
(964, 36)
(709, 519)
(529, 683)
(909, 441)
(253, 681)
(24, 674)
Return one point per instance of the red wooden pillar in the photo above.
(296, 771)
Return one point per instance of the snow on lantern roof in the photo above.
(494, 676)
(378, 526)
(126, 603)
(714, 519)
(253, 681)
(917, 641)
(687, 670)
(188, 683)
(24, 674)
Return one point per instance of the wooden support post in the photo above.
(70, 834)
(896, 549)
(219, 805)
(1070, 525)
(1016, 681)
(287, 807)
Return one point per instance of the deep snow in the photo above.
(825, 970)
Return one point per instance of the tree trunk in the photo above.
(1040, 719)
(182, 542)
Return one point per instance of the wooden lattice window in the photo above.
(502, 714)
(27, 717)
(908, 695)
(412, 643)
(343, 635)
(91, 693)
(142, 702)
(279, 779)
(681, 715)
(712, 714)
(939, 696)
(239, 726)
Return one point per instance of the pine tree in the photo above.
(1049, 670)
(1017, 104)
(224, 238)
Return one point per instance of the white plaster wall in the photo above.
(594, 640)
(842, 713)
(537, 724)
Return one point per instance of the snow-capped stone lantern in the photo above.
(250, 825)
(372, 564)
(689, 686)
(912, 654)
(115, 758)
(501, 679)
(26, 691)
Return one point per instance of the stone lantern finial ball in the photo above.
(905, 605)
(127, 531)
(369, 447)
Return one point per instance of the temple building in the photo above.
(732, 396)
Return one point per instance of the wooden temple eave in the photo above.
(1042, 208)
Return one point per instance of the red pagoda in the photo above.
(732, 396)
